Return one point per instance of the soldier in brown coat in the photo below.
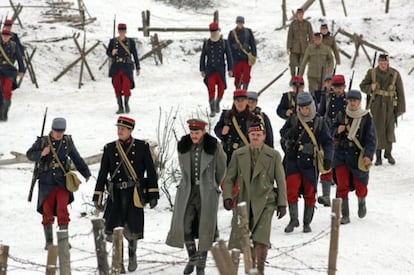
(299, 38)
(329, 40)
(387, 103)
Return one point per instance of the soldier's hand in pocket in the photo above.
(228, 204)
(153, 203)
(281, 211)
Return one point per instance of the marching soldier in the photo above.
(8, 24)
(287, 104)
(385, 86)
(299, 38)
(329, 41)
(9, 54)
(126, 161)
(120, 50)
(55, 152)
(252, 98)
(213, 66)
(203, 165)
(303, 135)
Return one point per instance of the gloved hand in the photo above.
(326, 164)
(153, 203)
(281, 211)
(228, 204)
(98, 207)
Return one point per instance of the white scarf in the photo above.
(356, 116)
(311, 115)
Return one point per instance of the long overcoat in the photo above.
(256, 190)
(212, 170)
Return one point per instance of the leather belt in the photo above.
(124, 184)
(384, 93)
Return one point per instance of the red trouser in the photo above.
(58, 199)
(7, 85)
(343, 181)
(241, 72)
(293, 184)
(213, 80)
(122, 84)
(327, 177)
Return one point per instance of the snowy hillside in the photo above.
(377, 244)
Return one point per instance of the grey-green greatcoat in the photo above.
(299, 36)
(212, 170)
(382, 108)
(256, 189)
(317, 56)
(329, 41)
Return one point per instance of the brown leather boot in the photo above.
(261, 255)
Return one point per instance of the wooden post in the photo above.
(216, 16)
(63, 251)
(284, 14)
(235, 257)
(145, 22)
(387, 6)
(322, 7)
(333, 246)
(117, 250)
(218, 258)
(16, 9)
(155, 43)
(162, 45)
(343, 6)
(81, 52)
(245, 240)
(100, 246)
(4, 254)
(51, 264)
(412, 69)
(227, 258)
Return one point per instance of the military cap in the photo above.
(328, 77)
(304, 99)
(240, 19)
(338, 80)
(324, 25)
(353, 94)
(300, 10)
(298, 79)
(256, 126)
(383, 56)
(239, 93)
(252, 95)
(122, 26)
(59, 124)
(6, 32)
(126, 122)
(213, 27)
(196, 124)
(8, 22)
(317, 34)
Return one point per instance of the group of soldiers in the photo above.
(327, 135)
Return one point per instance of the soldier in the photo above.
(243, 49)
(120, 50)
(287, 104)
(213, 66)
(303, 134)
(299, 38)
(326, 89)
(232, 126)
(54, 196)
(8, 24)
(385, 86)
(354, 132)
(329, 41)
(203, 165)
(319, 57)
(126, 161)
(252, 98)
(9, 53)
(255, 168)
(331, 105)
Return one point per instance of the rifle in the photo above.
(373, 79)
(350, 80)
(271, 82)
(36, 166)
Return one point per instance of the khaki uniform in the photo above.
(317, 56)
(299, 38)
(387, 102)
(329, 41)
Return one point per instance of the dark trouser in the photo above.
(192, 213)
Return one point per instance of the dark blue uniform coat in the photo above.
(246, 38)
(13, 53)
(330, 106)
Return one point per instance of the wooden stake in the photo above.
(117, 250)
(51, 264)
(220, 262)
(4, 254)
(227, 258)
(63, 251)
(322, 7)
(343, 6)
(333, 246)
(216, 16)
(245, 232)
(387, 6)
(284, 14)
(235, 257)
(100, 246)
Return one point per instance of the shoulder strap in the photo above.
(239, 131)
(355, 140)
(125, 159)
(124, 46)
(55, 156)
(310, 133)
(238, 42)
(3, 53)
(69, 142)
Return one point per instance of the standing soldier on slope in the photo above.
(299, 38)
(203, 165)
(329, 41)
(243, 49)
(213, 66)
(120, 50)
(387, 103)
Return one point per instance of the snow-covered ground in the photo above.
(381, 243)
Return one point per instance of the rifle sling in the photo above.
(3, 53)
(239, 131)
(124, 46)
(238, 42)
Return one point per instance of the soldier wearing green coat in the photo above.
(256, 167)
(203, 165)
(387, 103)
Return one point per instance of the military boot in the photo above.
(345, 211)
(132, 249)
(307, 218)
(362, 208)
(389, 157)
(48, 235)
(212, 107)
(120, 105)
(378, 160)
(325, 199)
(191, 250)
(1, 110)
(127, 105)
(217, 105)
(5, 109)
(201, 265)
(261, 255)
(294, 221)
